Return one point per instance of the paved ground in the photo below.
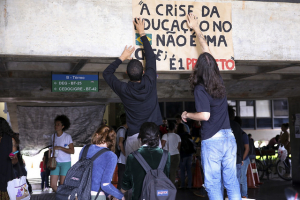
(271, 190)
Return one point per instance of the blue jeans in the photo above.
(238, 172)
(186, 164)
(219, 164)
(244, 168)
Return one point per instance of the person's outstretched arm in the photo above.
(149, 54)
(108, 74)
(193, 23)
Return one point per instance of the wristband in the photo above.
(143, 34)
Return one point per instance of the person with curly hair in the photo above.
(7, 145)
(104, 166)
(63, 147)
(134, 173)
(218, 146)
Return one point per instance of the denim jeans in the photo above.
(186, 165)
(244, 185)
(219, 165)
(238, 172)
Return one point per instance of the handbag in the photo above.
(17, 188)
(52, 160)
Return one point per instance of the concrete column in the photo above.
(294, 108)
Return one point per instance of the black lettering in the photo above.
(205, 9)
(181, 44)
(181, 9)
(169, 8)
(182, 28)
(219, 27)
(230, 26)
(170, 40)
(175, 10)
(147, 26)
(192, 40)
(212, 40)
(207, 25)
(158, 24)
(190, 8)
(159, 52)
(145, 7)
(137, 54)
(214, 10)
(222, 39)
(160, 39)
(159, 5)
(175, 25)
(163, 26)
(180, 62)
(172, 62)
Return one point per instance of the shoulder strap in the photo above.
(85, 151)
(141, 160)
(99, 153)
(163, 160)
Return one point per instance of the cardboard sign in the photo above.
(174, 43)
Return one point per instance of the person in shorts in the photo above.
(62, 150)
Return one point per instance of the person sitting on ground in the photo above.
(63, 148)
(104, 166)
(120, 148)
(134, 173)
(171, 142)
(7, 146)
(273, 142)
(139, 95)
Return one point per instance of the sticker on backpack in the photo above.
(162, 193)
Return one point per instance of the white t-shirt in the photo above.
(63, 141)
(172, 140)
(121, 133)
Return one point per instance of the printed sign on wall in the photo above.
(174, 43)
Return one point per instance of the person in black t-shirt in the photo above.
(139, 95)
(218, 146)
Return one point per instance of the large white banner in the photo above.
(176, 46)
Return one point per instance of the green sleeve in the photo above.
(127, 178)
(167, 167)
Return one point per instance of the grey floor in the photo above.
(272, 189)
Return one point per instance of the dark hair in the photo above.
(277, 138)
(206, 73)
(123, 118)
(149, 134)
(5, 128)
(164, 118)
(286, 125)
(64, 121)
(249, 135)
(231, 112)
(105, 134)
(238, 119)
(172, 126)
(181, 128)
(178, 116)
(135, 70)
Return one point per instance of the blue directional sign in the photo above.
(75, 83)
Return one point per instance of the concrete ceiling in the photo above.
(27, 78)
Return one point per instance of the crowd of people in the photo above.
(224, 148)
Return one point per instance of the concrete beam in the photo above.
(50, 28)
(78, 66)
(3, 69)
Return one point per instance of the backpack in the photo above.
(78, 180)
(251, 147)
(117, 151)
(156, 184)
(188, 145)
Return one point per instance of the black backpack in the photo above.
(187, 145)
(117, 151)
(78, 180)
(156, 185)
